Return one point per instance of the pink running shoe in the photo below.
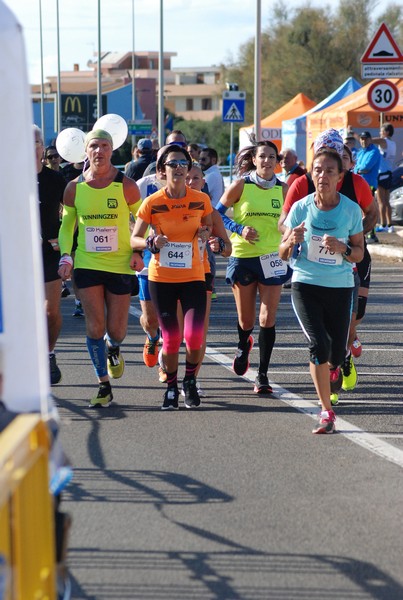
(356, 348)
(326, 422)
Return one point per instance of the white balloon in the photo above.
(116, 126)
(70, 144)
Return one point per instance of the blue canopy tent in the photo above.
(293, 131)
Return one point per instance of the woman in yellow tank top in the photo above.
(254, 266)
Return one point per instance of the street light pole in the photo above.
(42, 90)
(161, 80)
(133, 75)
(258, 88)
(99, 89)
(59, 93)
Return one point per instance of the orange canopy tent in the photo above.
(354, 111)
(271, 125)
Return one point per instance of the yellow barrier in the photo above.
(26, 511)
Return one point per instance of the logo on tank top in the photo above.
(112, 203)
(275, 203)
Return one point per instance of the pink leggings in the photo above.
(192, 296)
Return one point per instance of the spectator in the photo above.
(52, 158)
(367, 165)
(387, 148)
(136, 168)
(290, 166)
(208, 160)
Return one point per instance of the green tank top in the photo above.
(260, 209)
(103, 228)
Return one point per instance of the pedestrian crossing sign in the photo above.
(233, 107)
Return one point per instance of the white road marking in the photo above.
(355, 434)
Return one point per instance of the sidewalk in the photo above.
(390, 244)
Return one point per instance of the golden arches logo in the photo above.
(74, 103)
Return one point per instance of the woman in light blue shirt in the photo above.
(323, 237)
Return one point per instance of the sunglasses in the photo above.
(174, 164)
(52, 156)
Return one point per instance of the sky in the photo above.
(202, 32)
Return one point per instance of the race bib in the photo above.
(319, 254)
(273, 265)
(176, 255)
(101, 239)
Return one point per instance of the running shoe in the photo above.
(336, 380)
(262, 385)
(55, 373)
(192, 398)
(65, 290)
(214, 297)
(162, 375)
(326, 422)
(116, 363)
(334, 399)
(241, 360)
(372, 239)
(150, 352)
(381, 229)
(104, 396)
(349, 374)
(171, 399)
(356, 348)
(78, 312)
(201, 392)
(391, 229)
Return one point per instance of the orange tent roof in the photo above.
(294, 108)
(352, 111)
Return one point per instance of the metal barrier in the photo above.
(27, 545)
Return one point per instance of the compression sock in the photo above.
(267, 337)
(243, 336)
(190, 372)
(97, 352)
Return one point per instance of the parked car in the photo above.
(396, 196)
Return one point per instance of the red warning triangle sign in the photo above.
(382, 48)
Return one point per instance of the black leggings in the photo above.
(324, 314)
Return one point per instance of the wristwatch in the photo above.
(347, 251)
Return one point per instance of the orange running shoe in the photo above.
(150, 352)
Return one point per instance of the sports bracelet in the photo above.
(66, 260)
(150, 242)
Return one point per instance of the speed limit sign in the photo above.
(383, 95)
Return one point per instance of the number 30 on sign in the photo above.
(383, 95)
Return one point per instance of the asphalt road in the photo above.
(238, 500)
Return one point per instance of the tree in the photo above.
(310, 50)
(215, 134)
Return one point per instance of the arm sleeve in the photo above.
(229, 223)
(66, 231)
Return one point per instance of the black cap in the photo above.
(365, 134)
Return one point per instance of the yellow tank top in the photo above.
(103, 228)
(260, 209)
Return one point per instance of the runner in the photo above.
(178, 217)
(322, 280)
(254, 266)
(101, 201)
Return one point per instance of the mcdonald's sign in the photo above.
(80, 110)
(72, 104)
